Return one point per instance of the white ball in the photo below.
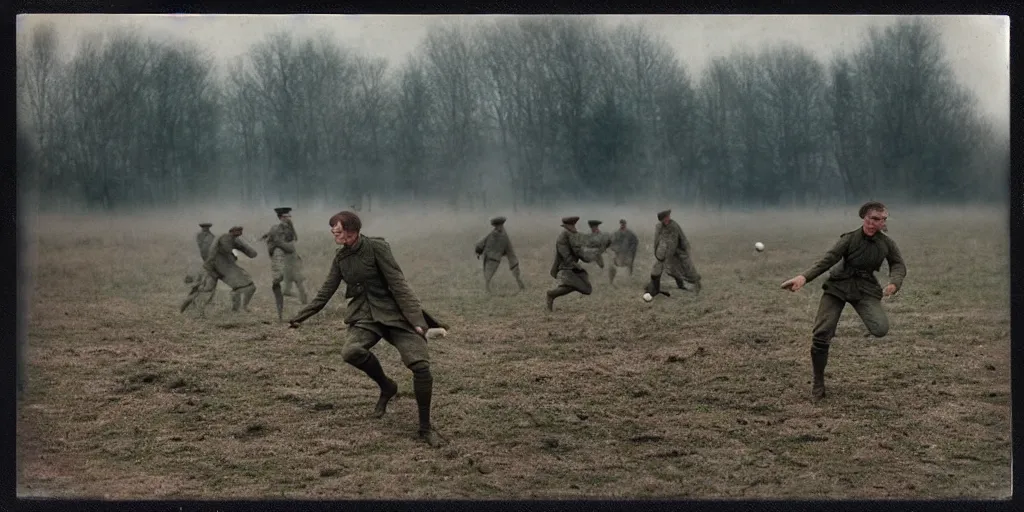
(759, 246)
(647, 297)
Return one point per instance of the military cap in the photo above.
(594, 223)
(663, 214)
(282, 211)
(205, 224)
(570, 221)
(497, 221)
(622, 221)
(235, 230)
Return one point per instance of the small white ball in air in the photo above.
(759, 246)
(647, 297)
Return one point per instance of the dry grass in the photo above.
(607, 397)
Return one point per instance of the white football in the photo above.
(759, 246)
(236, 252)
(437, 332)
(647, 297)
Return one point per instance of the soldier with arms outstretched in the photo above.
(492, 248)
(569, 251)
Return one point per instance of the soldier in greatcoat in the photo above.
(672, 256)
(284, 260)
(624, 243)
(492, 248)
(204, 240)
(381, 305)
(221, 265)
(861, 253)
(569, 251)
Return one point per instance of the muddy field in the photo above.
(690, 396)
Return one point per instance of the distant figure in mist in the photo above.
(204, 239)
(861, 252)
(624, 243)
(672, 255)
(493, 247)
(381, 305)
(569, 251)
(221, 265)
(284, 260)
(597, 242)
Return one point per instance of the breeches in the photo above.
(411, 346)
(677, 267)
(831, 307)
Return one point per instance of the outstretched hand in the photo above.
(889, 290)
(795, 283)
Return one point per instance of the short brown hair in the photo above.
(349, 221)
(870, 206)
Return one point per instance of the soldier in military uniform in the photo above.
(861, 252)
(493, 247)
(284, 260)
(221, 265)
(204, 239)
(381, 305)
(624, 243)
(597, 242)
(569, 251)
(672, 255)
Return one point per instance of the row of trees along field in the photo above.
(523, 111)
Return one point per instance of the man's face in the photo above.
(622, 226)
(593, 229)
(666, 220)
(874, 221)
(571, 229)
(342, 237)
(286, 218)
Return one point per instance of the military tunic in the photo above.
(281, 248)
(221, 262)
(624, 243)
(380, 302)
(569, 251)
(853, 281)
(671, 253)
(596, 244)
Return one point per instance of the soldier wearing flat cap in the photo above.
(493, 247)
(597, 242)
(569, 251)
(221, 265)
(624, 243)
(672, 255)
(284, 260)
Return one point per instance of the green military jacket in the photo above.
(221, 261)
(624, 242)
(375, 288)
(568, 253)
(281, 236)
(859, 256)
(495, 245)
(669, 240)
(204, 239)
(599, 241)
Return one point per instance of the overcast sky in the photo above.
(978, 47)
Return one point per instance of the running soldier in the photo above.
(493, 247)
(624, 243)
(284, 260)
(861, 253)
(204, 239)
(221, 266)
(672, 255)
(569, 251)
(381, 305)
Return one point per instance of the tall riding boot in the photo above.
(236, 300)
(654, 287)
(611, 274)
(278, 300)
(819, 358)
(422, 387)
(388, 388)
